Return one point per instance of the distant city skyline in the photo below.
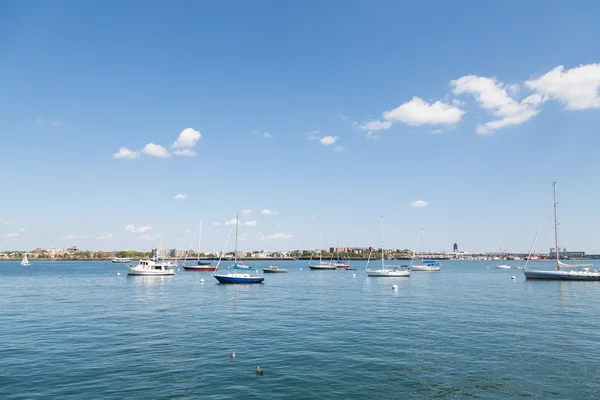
(309, 119)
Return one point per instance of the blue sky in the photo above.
(325, 114)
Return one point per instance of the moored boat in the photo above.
(200, 265)
(152, 268)
(575, 272)
(236, 277)
(389, 271)
(121, 260)
(272, 269)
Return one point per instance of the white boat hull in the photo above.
(503, 266)
(425, 268)
(562, 275)
(403, 273)
(133, 271)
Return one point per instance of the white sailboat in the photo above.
(25, 262)
(237, 277)
(390, 270)
(569, 272)
(426, 265)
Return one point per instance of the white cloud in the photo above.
(344, 117)
(328, 140)
(436, 131)
(155, 150)
(371, 136)
(355, 123)
(6, 223)
(577, 88)
(187, 139)
(492, 96)
(149, 237)
(142, 229)
(180, 196)
(185, 152)
(312, 137)
(419, 112)
(13, 235)
(339, 149)
(275, 236)
(124, 152)
(243, 237)
(314, 132)
(247, 211)
(376, 125)
(267, 135)
(266, 211)
(419, 203)
(243, 223)
(104, 237)
(68, 237)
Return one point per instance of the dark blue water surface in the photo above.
(73, 330)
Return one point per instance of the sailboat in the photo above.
(569, 272)
(338, 263)
(426, 265)
(25, 262)
(322, 265)
(390, 270)
(236, 277)
(200, 265)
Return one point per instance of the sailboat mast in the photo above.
(237, 223)
(382, 261)
(199, 239)
(556, 227)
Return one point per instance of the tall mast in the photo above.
(237, 223)
(199, 239)
(382, 263)
(556, 227)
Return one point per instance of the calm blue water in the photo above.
(75, 329)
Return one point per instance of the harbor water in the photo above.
(71, 330)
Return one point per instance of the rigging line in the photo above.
(224, 247)
(189, 248)
(372, 244)
(537, 231)
(416, 247)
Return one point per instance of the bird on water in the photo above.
(259, 371)
(232, 354)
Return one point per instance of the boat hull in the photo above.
(150, 273)
(388, 273)
(274, 271)
(237, 278)
(322, 267)
(562, 275)
(425, 268)
(199, 268)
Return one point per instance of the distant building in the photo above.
(455, 248)
(72, 250)
(567, 254)
(337, 249)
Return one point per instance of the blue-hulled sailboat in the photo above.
(237, 277)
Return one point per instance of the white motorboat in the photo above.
(152, 268)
